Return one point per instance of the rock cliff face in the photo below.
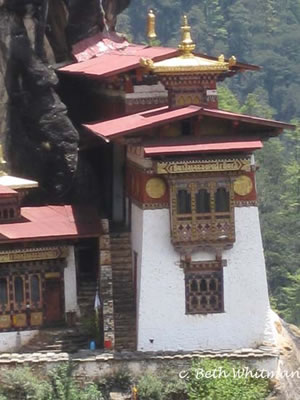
(39, 139)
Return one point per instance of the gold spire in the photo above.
(151, 34)
(187, 45)
(187, 63)
(2, 163)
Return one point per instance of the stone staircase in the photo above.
(123, 292)
(57, 340)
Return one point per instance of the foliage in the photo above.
(23, 384)
(151, 387)
(216, 380)
(119, 380)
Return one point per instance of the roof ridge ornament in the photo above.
(151, 33)
(187, 45)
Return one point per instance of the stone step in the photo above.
(121, 251)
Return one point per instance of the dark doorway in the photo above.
(87, 259)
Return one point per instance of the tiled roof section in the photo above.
(6, 191)
(114, 61)
(135, 122)
(52, 222)
(108, 130)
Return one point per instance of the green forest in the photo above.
(264, 33)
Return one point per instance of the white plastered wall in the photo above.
(13, 341)
(71, 304)
(162, 322)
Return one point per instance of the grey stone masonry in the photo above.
(106, 286)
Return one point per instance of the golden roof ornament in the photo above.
(187, 45)
(151, 34)
(188, 63)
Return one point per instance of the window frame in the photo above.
(218, 225)
(199, 272)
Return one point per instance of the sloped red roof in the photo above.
(6, 191)
(52, 222)
(114, 61)
(215, 147)
(108, 130)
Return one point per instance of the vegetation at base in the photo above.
(265, 33)
(224, 385)
(24, 383)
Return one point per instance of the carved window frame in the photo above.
(204, 287)
(203, 227)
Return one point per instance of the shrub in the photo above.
(21, 384)
(150, 387)
(64, 387)
(224, 385)
(120, 380)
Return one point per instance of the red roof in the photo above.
(4, 191)
(98, 44)
(221, 146)
(52, 222)
(136, 122)
(114, 61)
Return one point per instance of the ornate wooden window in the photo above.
(3, 294)
(19, 292)
(35, 291)
(183, 201)
(202, 211)
(204, 287)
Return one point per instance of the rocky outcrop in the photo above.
(40, 140)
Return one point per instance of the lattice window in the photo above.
(202, 211)
(204, 288)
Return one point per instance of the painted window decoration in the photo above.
(19, 291)
(204, 292)
(202, 211)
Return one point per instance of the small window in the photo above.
(3, 292)
(222, 200)
(183, 202)
(11, 213)
(5, 214)
(35, 289)
(202, 201)
(204, 292)
(19, 290)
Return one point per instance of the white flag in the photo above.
(97, 303)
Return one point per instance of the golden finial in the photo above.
(187, 45)
(2, 162)
(151, 34)
(232, 61)
(221, 58)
